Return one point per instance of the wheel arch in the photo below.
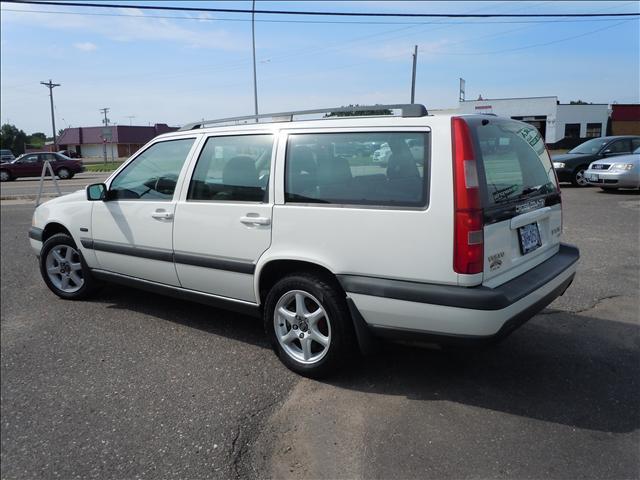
(53, 228)
(275, 269)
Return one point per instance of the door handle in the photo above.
(162, 215)
(249, 220)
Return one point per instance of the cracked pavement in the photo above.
(138, 385)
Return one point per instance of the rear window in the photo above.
(514, 160)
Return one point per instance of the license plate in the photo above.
(529, 238)
(592, 177)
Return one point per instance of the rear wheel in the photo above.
(579, 179)
(4, 176)
(308, 322)
(64, 270)
(64, 174)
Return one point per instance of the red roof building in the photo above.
(625, 119)
(117, 140)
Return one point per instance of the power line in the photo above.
(307, 22)
(328, 14)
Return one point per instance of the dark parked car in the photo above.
(6, 156)
(30, 165)
(571, 166)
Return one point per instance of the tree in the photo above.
(37, 139)
(359, 113)
(12, 138)
(578, 102)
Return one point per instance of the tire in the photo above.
(64, 174)
(578, 179)
(331, 324)
(5, 176)
(60, 253)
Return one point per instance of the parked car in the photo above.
(69, 153)
(265, 219)
(622, 171)
(571, 167)
(30, 165)
(382, 154)
(6, 156)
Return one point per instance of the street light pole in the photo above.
(413, 74)
(253, 43)
(50, 85)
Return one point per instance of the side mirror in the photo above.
(96, 192)
(608, 151)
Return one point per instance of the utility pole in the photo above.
(104, 110)
(253, 42)
(130, 117)
(51, 86)
(413, 74)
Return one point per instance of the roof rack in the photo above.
(407, 110)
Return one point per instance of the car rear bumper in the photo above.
(621, 179)
(451, 314)
(564, 174)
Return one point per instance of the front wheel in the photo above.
(308, 322)
(4, 176)
(579, 179)
(64, 270)
(64, 174)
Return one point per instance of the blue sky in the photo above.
(178, 70)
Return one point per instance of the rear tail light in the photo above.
(468, 241)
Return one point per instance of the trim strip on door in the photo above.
(165, 255)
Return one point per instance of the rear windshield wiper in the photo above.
(528, 191)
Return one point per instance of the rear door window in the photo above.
(514, 161)
(233, 169)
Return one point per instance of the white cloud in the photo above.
(133, 26)
(86, 46)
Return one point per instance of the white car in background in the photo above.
(612, 173)
(382, 154)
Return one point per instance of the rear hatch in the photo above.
(520, 197)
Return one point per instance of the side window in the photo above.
(153, 174)
(635, 143)
(620, 146)
(48, 157)
(30, 159)
(233, 169)
(364, 168)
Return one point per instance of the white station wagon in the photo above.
(456, 237)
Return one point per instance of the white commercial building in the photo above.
(554, 120)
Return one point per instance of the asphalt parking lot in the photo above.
(137, 385)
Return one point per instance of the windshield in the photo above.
(590, 147)
(514, 160)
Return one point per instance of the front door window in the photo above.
(153, 174)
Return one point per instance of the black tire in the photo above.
(5, 176)
(89, 286)
(342, 339)
(64, 174)
(577, 177)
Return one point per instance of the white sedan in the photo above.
(612, 173)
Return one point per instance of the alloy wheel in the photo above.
(64, 268)
(302, 327)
